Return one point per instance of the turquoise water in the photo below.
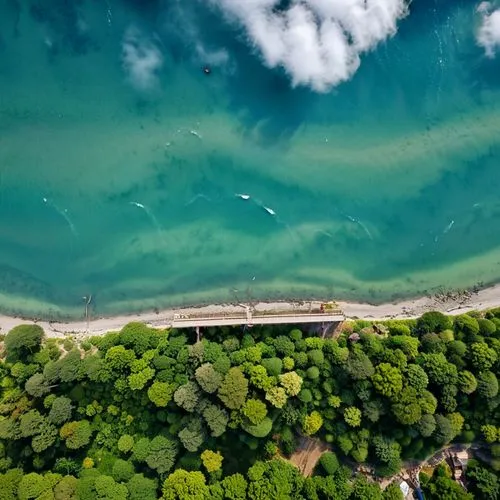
(386, 187)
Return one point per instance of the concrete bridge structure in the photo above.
(262, 314)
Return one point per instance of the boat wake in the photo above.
(150, 215)
(64, 214)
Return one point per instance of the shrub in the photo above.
(312, 372)
(329, 462)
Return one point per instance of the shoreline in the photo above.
(450, 303)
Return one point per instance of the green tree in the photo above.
(30, 423)
(37, 385)
(329, 462)
(216, 419)
(467, 383)
(490, 433)
(392, 492)
(260, 430)
(467, 325)
(273, 479)
(234, 388)
(125, 443)
(444, 430)
(284, 345)
(438, 369)
(482, 357)
(183, 485)
(65, 489)
(426, 425)
(352, 416)
(45, 438)
(212, 460)
(160, 393)
(33, 485)
(118, 358)
(312, 373)
(457, 422)
(312, 423)
(140, 449)
(273, 366)
(291, 382)
(187, 396)
(359, 366)
(137, 381)
(192, 436)
(259, 377)
(107, 488)
(208, 378)
(485, 484)
(487, 385)
(76, 434)
(387, 380)
(235, 487)
(161, 455)
(138, 337)
(254, 410)
(142, 488)
(440, 488)
(416, 377)
(22, 341)
(277, 396)
(407, 408)
(122, 470)
(60, 410)
(409, 345)
(388, 456)
(363, 490)
(433, 321)
(432, 343)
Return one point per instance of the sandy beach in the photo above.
(449, 303)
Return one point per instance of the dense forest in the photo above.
(144, 414)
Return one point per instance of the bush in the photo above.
(305, 396)
(316, 357)
(68, 344)
(329, 462)
(312, 372)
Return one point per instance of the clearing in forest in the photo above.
(307, 455)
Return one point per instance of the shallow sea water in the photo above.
(386, 187)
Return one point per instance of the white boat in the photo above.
(243, 196)
(270, 211)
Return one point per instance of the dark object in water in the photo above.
(207, 70)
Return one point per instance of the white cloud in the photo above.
(141, 59)
(317, 42)
(488, 35)
(219, 57)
